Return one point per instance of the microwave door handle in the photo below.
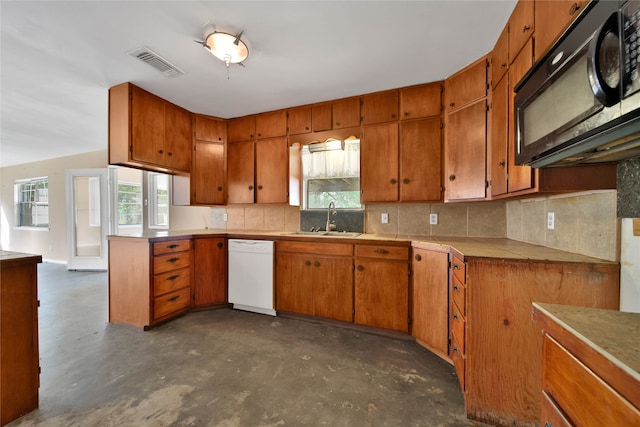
(606, 88)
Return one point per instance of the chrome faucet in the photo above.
(329, 225)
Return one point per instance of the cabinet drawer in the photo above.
(171, 247)
(341, 249)
(459, 268)
(566, 380)
(551, 414)
(170, 303)
(459, 361)
(458, 326)
(386, 252)
(169, 262)
(171, 281)
(459, 295)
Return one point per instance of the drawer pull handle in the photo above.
(548, 424)
(174, 277)
(381, 251)
(455, 317)
(418, 257)
(173, 246)
(456, 288)
(172, 260)
(174, 298)
(454, 349)
(456, 266)
(573, 9)
(526, 28)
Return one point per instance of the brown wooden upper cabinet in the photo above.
(240, 172)
(145, 131)
(500, 57)
(241, 128)
(466, 86)
(299, 120)
(322, 117)
(346, 113)
(521, 26)
(380, 107)
(552, 18)
(421, 101)
(271, 124)
(209, 129)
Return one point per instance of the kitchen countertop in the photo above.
(613, 335)
(479, 247)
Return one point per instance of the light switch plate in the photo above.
(433, 219)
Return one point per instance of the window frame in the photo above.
(18, 192)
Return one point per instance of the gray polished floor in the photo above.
(226, 368)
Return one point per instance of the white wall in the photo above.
(51, 243)
(630, 268)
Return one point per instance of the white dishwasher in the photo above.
(251, 275)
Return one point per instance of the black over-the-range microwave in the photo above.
(580, 103)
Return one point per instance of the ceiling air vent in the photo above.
(151, 58)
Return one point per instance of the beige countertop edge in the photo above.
(613, 334)
(479, 247)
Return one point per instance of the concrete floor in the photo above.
(226, 368)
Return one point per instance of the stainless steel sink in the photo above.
(344, 234)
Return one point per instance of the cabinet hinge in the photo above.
(487, 184)
(441, 125)
(287, 116)
(441, 189)
(131, 148)
(409, 320)
(487, 107)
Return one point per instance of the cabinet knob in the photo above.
(456, 266)
(502, 163)
(250, 135)
(573, 9)
(337, 123)
(406, 181)
(219, 138)
(169, 153)
(456, 288)
(220, 244)
(504, 64)
(393, 181)
(306, 128)
(251, 187)
(452, 104)
(454, 349)
(307, 263)
(317, 263)
(406, 113)
(259, 187)
(418, 257)
(452, 177)
(259, 134)
(455, 317)
(526, 28)
(219, 188)
(160, 151)
(360, 268)
(393, 116)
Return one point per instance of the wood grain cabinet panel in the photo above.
(322, 117)
(346, 113)
(299, 120)
(420, 173)
(500, 58)
(430, 302)
(208, 174)
(498, 158)
(240, 172)
(271, 124)
(379, 163)
(209, 129)
(209, 272)
(380, 107)
(466, 86)
(241, 129)
(272, 165)
(177, 139)
(421, 101)
(521, 26)
(551, 19)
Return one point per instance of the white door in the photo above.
(87, 219)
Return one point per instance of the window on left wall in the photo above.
(32, 202)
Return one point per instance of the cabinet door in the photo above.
(521, 27)
(382, 294)
(380, 107)
(271, 124)
(241, 129)
(292, 294)
(497, 167)
(178, 138)
(551, 18)
(465, 153)
(466, 86)
(420, 160)
(332, 288)
(207, 176)
(520, 177)
(299, 120)
(430, 313)
(240, 172)
(209, 129)
(346, 113)
(379, 160)
(210, 272)
(272, 176)
(148, 127)
(322, 117)
(421, 101)
(500, 58)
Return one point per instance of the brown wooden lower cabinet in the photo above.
(149, 281)
(381, 282)
(430, 308)
(20, 367)
(209, 271)
(502, 357)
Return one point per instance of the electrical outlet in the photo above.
(224, 217)
(384, 218)
(551, 220)
(433, 219)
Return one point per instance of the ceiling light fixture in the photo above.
(226, 47)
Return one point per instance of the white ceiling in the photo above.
(58, 59)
